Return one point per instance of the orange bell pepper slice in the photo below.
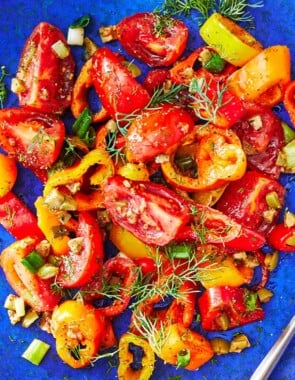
(269, 68)
(79, 97)
(220, 159)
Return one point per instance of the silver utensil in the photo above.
(269, 362)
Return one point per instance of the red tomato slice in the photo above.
(245, 201)
(46, 80)
(150, 211)
(282, 238)
(78, 268)
(35, 291)
(118, 90)
(155, 39)
(156, 131)
(34, 139)
(17, 218)
(262, 137)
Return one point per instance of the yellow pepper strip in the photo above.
(49, 224)
(127, 243)
(233, 43)
(134, 171)
(75, 173)
(270, 67)
(125, 371)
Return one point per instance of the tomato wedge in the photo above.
(32, 138)
(78, 268)
(156, 131)
(155, 39)
(35, 291)
(150, 211)
(118, 91)
(45, 79)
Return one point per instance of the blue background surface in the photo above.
(275, 24)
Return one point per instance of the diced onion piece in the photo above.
(30, 317)
(36, 351)
(60, 49)
(75, 36)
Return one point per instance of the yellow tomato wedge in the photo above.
(233, 43)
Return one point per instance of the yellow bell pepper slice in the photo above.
(127, 243)
(49, 223)
(233, 43)
(134, 171)
(125, 370)
(270, 67)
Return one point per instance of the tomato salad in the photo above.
(179, 170)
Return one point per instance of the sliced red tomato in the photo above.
(262, 137)
(150, 211)
(118, 90)
(32, 138)
(245, 200)
(17, 218)
(78, 268)
(155, 79)
(78, 328)
(282, 238)
(210, 226)
(155, 39)
(45, 73)
(157, 131)
(35, 291)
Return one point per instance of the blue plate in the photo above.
(275, 24)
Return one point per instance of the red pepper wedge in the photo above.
(289, 100)
(236, 306)
(282, 238)
(17, 218)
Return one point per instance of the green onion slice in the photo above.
(82, 22)
(183, 358)
(33, 261)
(36, 351)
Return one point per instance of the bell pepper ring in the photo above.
(233, 43)
(272, 66)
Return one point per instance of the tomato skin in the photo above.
(46, 78)
(146, 265)
(156, 131)
(278, 236)
(155, 79)
(32, 138)
(17, 218)
(118, 91)
(35, 291)
(75, 323)
(137, 35)
(150, 211)
(245, 201)
(262, 144)
(230, 300)
(77, 269)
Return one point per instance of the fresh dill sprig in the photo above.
(162, 23)
(162, 95)
(236, 10)
(185, 7)
(100, 356)
(205, 107)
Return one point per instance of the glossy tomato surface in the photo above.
(275, 24)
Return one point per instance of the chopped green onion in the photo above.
(82, 22)
(75, 36)
(33, 261)
(36, 351)
(81, 126)
(60, 49)
(215, 64)
(183, 358)
(179, 251)
(272, 200)
(286, 158)
(30, 317)
(47, 271)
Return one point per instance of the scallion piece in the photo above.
(81, 126)
(289, 133)
(215, 64)
(33, 261)
(81, 22)
(180, 251)
(183, 358)
(36, 351)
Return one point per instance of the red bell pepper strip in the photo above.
(35, 291)
(236, 306)
(17, 218)
(289, 101)
(126, 270)
(282, 238)
(78, 268)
